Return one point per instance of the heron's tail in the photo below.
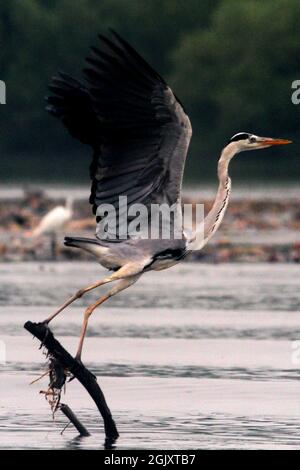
(91, 245)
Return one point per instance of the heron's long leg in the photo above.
(123, 284)
(125, 271)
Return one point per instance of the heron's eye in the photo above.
(252, 140)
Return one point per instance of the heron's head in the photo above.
(245, 141)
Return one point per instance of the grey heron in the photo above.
(139, 133)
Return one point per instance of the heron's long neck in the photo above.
(215, 216)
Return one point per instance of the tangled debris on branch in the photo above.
(62, 364)
(57, 383)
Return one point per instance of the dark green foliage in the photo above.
(231, 63)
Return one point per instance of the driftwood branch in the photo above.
(66, 410)
(77, 369)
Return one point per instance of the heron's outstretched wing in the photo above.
(138, 129)
(72, 103)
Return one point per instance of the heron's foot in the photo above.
(71, 371)
(80, 363)
(43, 323)
(48, 320)
(78, 359)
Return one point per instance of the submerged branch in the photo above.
(78, 370)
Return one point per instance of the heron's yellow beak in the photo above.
(268, 141)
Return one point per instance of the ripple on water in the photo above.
(198, 358)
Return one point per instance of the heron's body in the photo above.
(140, 134)
(157, 253)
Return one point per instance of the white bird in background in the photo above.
(54, 222)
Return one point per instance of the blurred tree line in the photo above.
(231, 62)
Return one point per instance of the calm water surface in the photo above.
(196, 357)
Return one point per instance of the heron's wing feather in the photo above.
(71, 102)
(138, 129)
